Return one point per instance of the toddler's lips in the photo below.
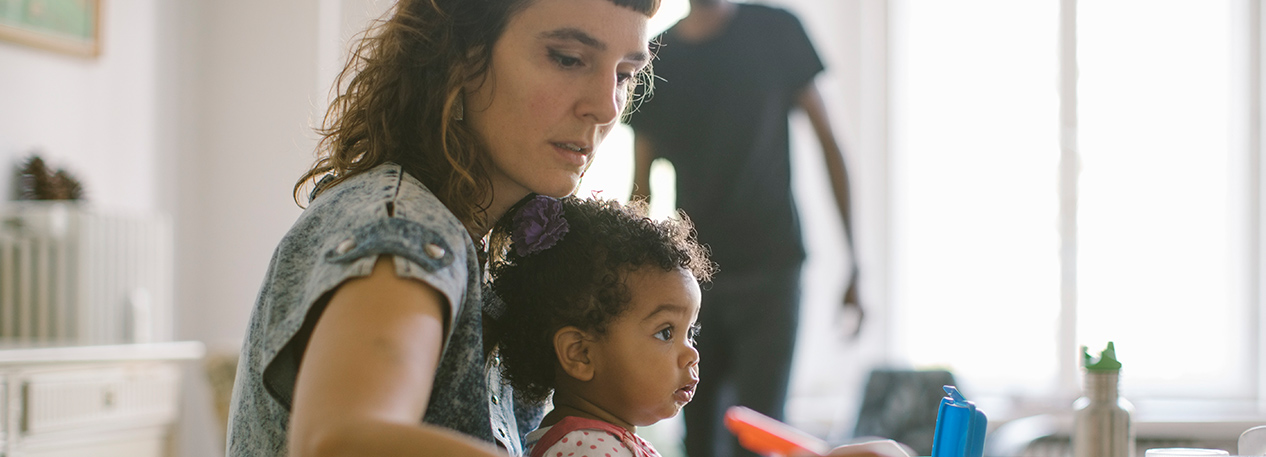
(686, 393)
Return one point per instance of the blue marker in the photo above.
(960, 427)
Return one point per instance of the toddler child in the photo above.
(600, 304)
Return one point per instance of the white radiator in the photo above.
(73, 274)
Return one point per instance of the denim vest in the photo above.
(383, 211)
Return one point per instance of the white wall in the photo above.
(252, 87)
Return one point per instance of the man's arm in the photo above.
(811, 101)
(643, 155)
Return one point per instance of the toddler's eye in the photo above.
(694, 333)
(665, 334)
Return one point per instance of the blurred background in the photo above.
(1027, 180)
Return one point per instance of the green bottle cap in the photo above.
(1107, 360)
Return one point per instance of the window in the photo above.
(1138, 205)
(1161, 206)
(975, 190)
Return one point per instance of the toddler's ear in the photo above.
(572, 345)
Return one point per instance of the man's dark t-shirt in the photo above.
(719, 114)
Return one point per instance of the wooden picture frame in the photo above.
(67, 26)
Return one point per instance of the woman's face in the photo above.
(557, 84)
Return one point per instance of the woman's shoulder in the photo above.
(384, 191)
(381, 211)
(340, 236)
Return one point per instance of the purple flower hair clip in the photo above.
(538, 225)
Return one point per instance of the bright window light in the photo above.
(975, 203)
(1158, 268)
(1163, 236)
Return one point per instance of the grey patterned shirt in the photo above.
(383, 211)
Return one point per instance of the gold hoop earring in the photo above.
(459, 108)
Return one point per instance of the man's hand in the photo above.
(853, 306)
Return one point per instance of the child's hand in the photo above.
(878, 448)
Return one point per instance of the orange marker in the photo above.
(766, 436)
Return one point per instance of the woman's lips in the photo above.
(571, 155)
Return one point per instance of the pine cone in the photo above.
(65, 186)
(36, 182)
(33, 179)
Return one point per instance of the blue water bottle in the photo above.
(960, 427)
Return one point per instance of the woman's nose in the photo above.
(602, 101)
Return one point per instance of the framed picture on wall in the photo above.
(67, 26)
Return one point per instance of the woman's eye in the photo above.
(563, 60)
(665, 334)
(623, 78)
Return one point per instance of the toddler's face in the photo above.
(647, 364)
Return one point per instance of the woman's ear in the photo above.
(472, 72)
(573, 346)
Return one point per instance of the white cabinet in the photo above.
(91, 400)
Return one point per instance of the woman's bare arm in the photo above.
(367, 372)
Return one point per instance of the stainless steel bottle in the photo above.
(1102, 424)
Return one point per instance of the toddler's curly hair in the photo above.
(579, 281)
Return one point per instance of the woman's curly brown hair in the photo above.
(580, 280)
(396, 96)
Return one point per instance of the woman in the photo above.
(367, 337)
